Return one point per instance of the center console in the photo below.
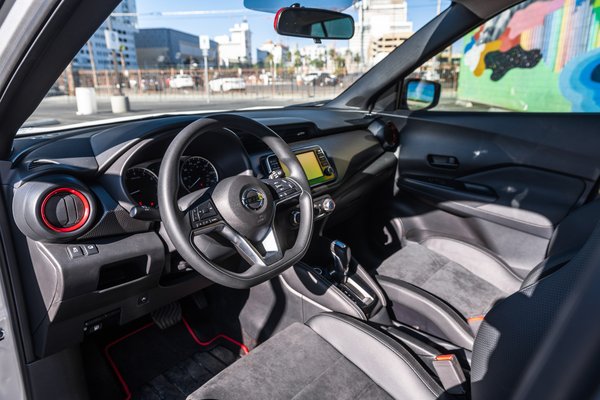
(328, 278)
(331, 280)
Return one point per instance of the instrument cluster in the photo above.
(141, 181)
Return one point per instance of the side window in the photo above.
(539, 56)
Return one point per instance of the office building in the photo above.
(280, 52)
(381, 26)
(123, 22)
(235, 48)
(164, 47)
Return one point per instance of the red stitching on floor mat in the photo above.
(117, 372)
(114, 365)
(219, 336)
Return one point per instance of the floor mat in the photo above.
(168, 364)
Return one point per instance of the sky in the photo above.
(261, 24)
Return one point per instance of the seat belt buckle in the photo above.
(450, 373)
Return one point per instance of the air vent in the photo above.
(40, 163)
(296, 132)
(65, 210)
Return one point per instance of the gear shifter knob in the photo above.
(341, 261)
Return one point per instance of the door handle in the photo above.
(441, 161)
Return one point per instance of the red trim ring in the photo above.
(276, 20)
(78, 225)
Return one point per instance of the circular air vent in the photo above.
(65, 210)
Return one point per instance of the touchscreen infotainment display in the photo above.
(314, 162)
(310, 165)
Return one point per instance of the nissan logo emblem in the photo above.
(253, 199)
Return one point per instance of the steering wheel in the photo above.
(241, 208)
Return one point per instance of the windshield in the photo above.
(155, 57)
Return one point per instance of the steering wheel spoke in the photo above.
(203, 217)
(261, 254)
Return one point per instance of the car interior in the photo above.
(348, 249)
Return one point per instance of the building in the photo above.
(123, 22)
(164, 47)
(381, 26)
(261, 56)
(314, 52)
(280, 52)
(235, 48)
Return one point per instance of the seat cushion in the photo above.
(465, 277)
(333, 356)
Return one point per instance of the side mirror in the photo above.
(420, 94)
(314, 23)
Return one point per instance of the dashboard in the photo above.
(86, 213)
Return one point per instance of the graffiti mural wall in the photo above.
(541, 55)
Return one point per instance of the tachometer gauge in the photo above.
(142, 186)
(198, 173)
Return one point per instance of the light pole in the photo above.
(113, 43)
(206, 88)
(205, 46)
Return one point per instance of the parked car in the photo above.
(227, 84)
(320, 79)
(181, 81)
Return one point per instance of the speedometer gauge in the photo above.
(198, 173)
(142, 186)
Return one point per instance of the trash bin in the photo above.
(86, 101)
(119, 104)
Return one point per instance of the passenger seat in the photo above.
(444, 286)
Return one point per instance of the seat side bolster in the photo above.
(385, 361)
(445, 318)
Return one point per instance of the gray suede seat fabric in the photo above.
(331, 357)
(438, 284)
(466, 278)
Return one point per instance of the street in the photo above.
(62, 110)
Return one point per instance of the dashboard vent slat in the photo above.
(40, 163)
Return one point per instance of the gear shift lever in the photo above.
(341, 261)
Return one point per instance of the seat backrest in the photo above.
(516, 327)
(569, 236)
(573, 231)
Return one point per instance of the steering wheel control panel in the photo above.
(314, 162)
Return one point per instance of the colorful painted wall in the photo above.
(541, 55)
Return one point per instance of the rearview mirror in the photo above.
(314, 23)
(420, 94)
